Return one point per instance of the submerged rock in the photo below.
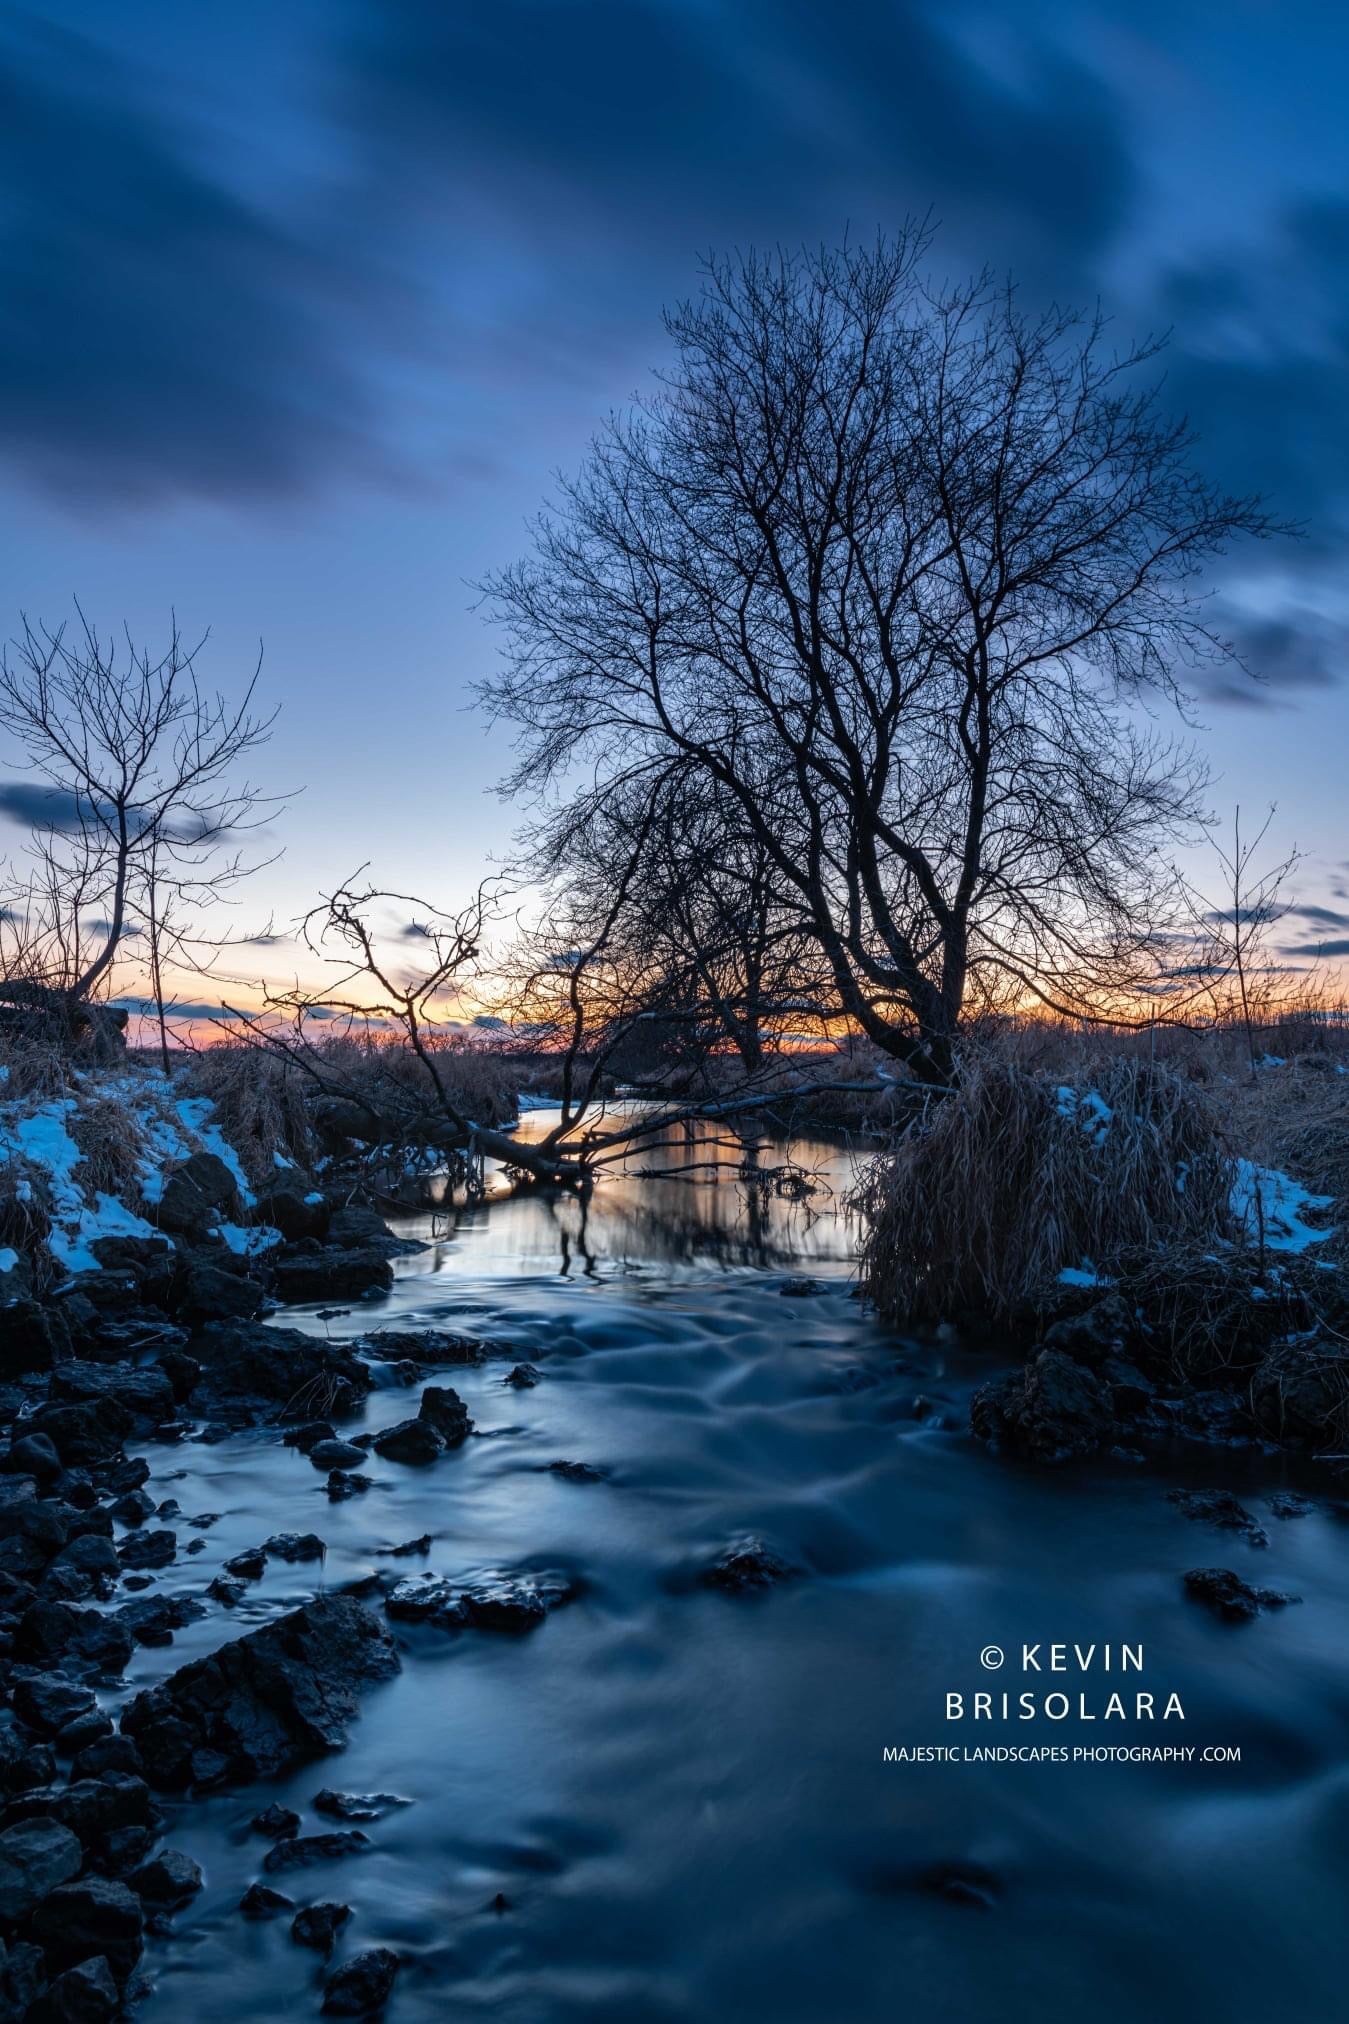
(1220, 1509)
(502, 1602)
(365, 1983)
(260, 1901)
(265, 1701)
(318, 1925)
(276, 1822)
(524, 1376)
(746, 1566)
(302, 1851)
(356, 1805)
(1228, 1596)
(578, 1472)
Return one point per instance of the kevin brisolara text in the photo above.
(1060, 1753)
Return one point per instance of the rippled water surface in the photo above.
(682, 1795)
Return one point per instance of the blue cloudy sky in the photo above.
(304, 300)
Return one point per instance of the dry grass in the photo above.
(1006, 1182)
(259, 1103)
(32, 1067)
(24, 1222)
(109, 1138)
(1295, 1116)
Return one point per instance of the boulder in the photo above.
(293, 1205)
(95, 1916)
(265, 1701)
(1055, 1410)
(443, 1409)
(169, 1878)
(502, 1602)
(363, 1984)
(336, 1455)
(281, 1365)
(260, 1901)
(143, 1392)
(212, 1292)
(196, 1194)
(35, 1856)
(333, 1274)
(302, 1851)
(1231, 1598)
(47, 1702)
(79, 1640)
(416, 1442)
(85, 1994)
(747, 1567)
(318, 1925)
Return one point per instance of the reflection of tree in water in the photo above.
(700, 1196)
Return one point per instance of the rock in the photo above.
(276, 1822)
(298, 1372)
(578, 1472)
(1285, 1504)
(148, 1549)
(144, 1393)
(410, 1547)
(24, 1766)
(23, 1977)
(415, 1442)
(318, 1925)
(83, 1732)
(47, 1702)
(169, 1878)
(747, 1566)
(357, 1228)
(800, 1287)
(265, 1701)
(84, 1434)
(31, 1338)
(342, 1484)
(424, 1345)
(109, 1753)
(94, 1806)
(227, 1592)
(248, 1565)
(296, 1546)
(524, 1376)
(304, 1850)
(1101, 1331)
(134, 1508)
(213, 1293)
(356, 1805)
(1231, 1598)
(1221, 1509)
(1295, 1394)
(196, 1194)
(123, 1849)
(260, 1901)
(293, 1205)
(1054, 1411)
(333, 1274)
(33, 1455)
(307, 1437)
(35, 1856)
(442, 1408)
(364, 1984)
(503, 1602)
(85, 1994)
(336, 1455)
(80, 1639)
(94, 1916)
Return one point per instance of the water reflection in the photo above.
(703, 1197)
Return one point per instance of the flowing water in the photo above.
(682, 1795)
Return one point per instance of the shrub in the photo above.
(1006, 1182)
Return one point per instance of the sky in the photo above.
(305, 302)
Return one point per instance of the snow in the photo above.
(1282, 1201)
(529, 1099)
(8, 1259)
(168, 1131)
(1090, 1110)
(248, 1243)
(1084, 1274)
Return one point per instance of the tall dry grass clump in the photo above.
(1015, 1177)
(260, 1105)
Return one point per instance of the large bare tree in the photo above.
(890, 569)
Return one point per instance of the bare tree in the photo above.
(887, 568)
(1232, 936)
(136, 808)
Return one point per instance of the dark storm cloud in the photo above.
(511, 189)
(39, 807)
(1260, 361)
(653, 123)
(157, 333)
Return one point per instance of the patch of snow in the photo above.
(195, 1113)
(529, 1099)
(1090, 1110)
(1084, 1274)
(1281, 1201)
(8, 1259)
(248, 1243)
(1272, 1061)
